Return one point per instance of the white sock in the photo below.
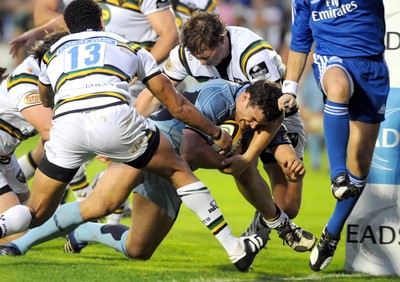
(27, 165)
(15, 220)
(114, 218)
(79, 184)
(277, 222)
(198, 199)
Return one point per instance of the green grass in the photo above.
(189, 252)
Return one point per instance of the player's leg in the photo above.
(287, 194)
(112, 189)
(14, 188)
(8, 199)
(337, 85)
(67, 217)
(79, 185)
(287, 181)
(45, 197)
(366, 113)
(30, 160)
(197, 197)
(362, 143)
(149, 226)
(255, 189)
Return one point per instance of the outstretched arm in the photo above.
(29, 37)
(163, 22)
(295, 67)
(182, 109)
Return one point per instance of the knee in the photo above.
(292, 211)
(91, 210)
(139, 253)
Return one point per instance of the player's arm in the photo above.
(40, 118)
(263, 135)
(146, 103)
(45, 10)
(29, 37)
(300, 45)
(183, 110)
(196, 150)
(295, 67)
(163, 22)
(46, 95)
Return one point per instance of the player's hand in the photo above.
(286, 102)
(235, 165)
(26, 40)
(225, 142)
(294, 170)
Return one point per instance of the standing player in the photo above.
(350, 70)
(210, 50)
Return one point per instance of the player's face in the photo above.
(211, 57)
(249, 116)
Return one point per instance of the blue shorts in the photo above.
(162, 193)
(369, 79)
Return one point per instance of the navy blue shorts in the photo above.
(369, 78)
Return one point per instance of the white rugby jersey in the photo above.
(252, 59)
(19, 91)
(94, 68)
(129, 19)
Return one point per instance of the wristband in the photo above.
(218, 136)
(290, 87)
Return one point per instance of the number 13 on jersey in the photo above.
(83, 56)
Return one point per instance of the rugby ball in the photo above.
(234, 130)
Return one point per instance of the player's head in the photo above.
(83, 15)
(204, 35)
(265, 94)
(42, 46)
(258, 105)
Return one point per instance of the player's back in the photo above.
(93, 69)
(89, 62)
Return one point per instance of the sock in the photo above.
(343, 208)
(277, 222)
(79, 184)
(111, 235)
(116, 216)
(336, 130)
(197, 197)
(66, 218)
(27, 165)
(15, 220)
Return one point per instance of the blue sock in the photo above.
(112, 235)
(66, 218)
(336, 130)
(344, 208)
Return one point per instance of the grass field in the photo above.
(190, 253)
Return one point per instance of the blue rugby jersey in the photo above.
(344, 28)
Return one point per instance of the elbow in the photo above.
(187, 157)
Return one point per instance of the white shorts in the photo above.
(12, 175)
(116, 132)
(296, 133)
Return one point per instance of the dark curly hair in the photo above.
(83, 15)
(265, 94)
(42, 46)
(202, 31)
